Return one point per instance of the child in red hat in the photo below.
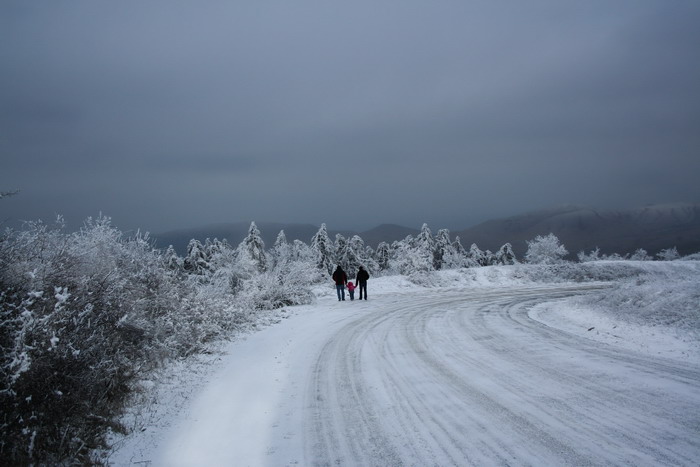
(351, 289)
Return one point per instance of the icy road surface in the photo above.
(438, 378)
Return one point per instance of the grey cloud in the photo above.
(413, 110)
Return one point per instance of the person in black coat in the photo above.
(362, 276)
(340, 279)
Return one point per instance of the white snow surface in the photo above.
(483, 367)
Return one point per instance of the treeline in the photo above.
(85, 315)
(424, 252)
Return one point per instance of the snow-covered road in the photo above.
(436, 378)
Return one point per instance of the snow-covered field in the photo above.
(481, 367)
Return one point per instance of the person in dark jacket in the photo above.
(340, 279)
(361, 280)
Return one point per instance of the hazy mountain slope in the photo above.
(581, 228)
(386, 233)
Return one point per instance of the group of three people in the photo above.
(341, 280)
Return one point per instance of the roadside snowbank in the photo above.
(656, 311)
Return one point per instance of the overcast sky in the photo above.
(170, 114)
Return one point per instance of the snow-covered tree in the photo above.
(443, 247)
(196, 260)
(305, 257)
(340, 243)
(281, 239)
(545, 249)
(383, 255)
(345, 255)
(594, 255)
(357, 245)
(640, 255)
(489, 258)
(456, 256)
(424, 246)
(172, 260)
(668, 254)
(323, 247)
(369, 261)
(505, 255)
(254, 248)
(477, 257)
(458, 247)
(221, 257)
(281, 251)
(407, 258)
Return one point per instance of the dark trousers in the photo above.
(340, 288)
(362, 286)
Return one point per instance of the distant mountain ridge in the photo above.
(579, 228)
(653, 228)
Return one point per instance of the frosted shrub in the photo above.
(545, 250)
(82, 314)
(640, 255)
(424, 278)
(668, 254)
(594, 255)
(288, 283)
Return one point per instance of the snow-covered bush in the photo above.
(640, 255)
(565, 271)
(84, 315)
(424, 278)
(80, 318)
(657, 295)
(594, 255)
(668, 254)
(545, 249)
(288, 282)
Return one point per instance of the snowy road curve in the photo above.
(448, 377)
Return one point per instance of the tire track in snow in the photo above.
(455, 378)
